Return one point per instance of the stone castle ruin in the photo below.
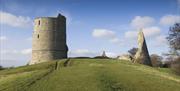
(142, 55)
(49, 39)
(49, 42)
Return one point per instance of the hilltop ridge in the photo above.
(88, 75)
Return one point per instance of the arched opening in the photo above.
(39, 22)
(38, 36)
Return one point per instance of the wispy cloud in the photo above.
(3, 38)
(169, 20)
(151, 31)
(15, 21)
(18, 52)
(131, 34)
(142, 21)
(103, 33)
(153, 34)
(148, 32)
(106, 34)
(160, 40)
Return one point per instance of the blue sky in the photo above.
(93, 25)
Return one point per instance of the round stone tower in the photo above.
(49, 39)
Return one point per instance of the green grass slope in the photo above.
(88, 75)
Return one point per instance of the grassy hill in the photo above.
(88, 75)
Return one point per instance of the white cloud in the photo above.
(7, 52)
(3, 38)
(151, 31)
(141, 22)
(19, 52)
(103, 33)
(160, 40)
(26, 51)
(15, 21)
(115, 40)
(82, 52)
(131, 34)
(13, 57)
(106, 34)
(169, 19)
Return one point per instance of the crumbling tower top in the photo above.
(142, 55)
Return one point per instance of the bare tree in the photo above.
(175, 65)
(174, 39)
(156, 60)
(174, 42)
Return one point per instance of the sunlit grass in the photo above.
(91, 75)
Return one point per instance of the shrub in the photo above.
(156, 60)
(101, 57)
(1, 68)
(175, 66)
(166, 64)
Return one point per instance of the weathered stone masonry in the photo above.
(142, 55)
(49, 39)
